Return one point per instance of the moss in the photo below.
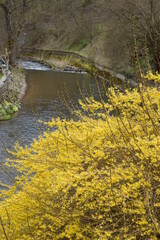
(7, 109)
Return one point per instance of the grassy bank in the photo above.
(64, 61)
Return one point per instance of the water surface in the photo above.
(43, 98)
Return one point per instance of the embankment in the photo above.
(12, 89)
(70, 61)
(13, 86)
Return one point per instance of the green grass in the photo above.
(79, 46)
(1, 75)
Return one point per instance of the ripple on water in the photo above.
(42, 97)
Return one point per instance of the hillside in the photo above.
(109, 32)
(80, 160)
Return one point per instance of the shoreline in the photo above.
(18, 83)
(12, 92)
(63, 61)
(23, 88)
(57, 66)
(13, 87)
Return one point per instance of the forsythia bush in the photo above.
(97, 177)
(152, 76)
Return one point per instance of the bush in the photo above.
(93, 178)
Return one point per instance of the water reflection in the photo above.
(42, 95)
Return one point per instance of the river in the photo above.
(43, 99)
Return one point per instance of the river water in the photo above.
(43, 98)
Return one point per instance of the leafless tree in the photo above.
(15, 13)
(138, 20)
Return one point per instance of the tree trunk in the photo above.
(10, 40)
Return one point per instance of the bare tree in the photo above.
(138, 20)
(15, 12)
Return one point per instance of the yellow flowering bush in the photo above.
(96, 177)
(152, 76)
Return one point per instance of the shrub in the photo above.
(93, 178)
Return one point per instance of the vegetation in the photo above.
(6, 110)
(11, 93)
(79, 46)
(101, 30)
(95, 177)
(15, 16)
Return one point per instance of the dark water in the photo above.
(43, 99)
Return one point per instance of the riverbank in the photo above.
(19, 82)
(12, 91)
(73, 62)
(16, 87)
(55, 64)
